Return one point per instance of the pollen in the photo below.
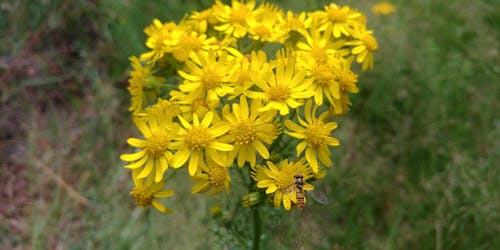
(318, 53)
(157, 144)
(322, 74)
(244, 132)
(370, 42)
(211, 79)
(346, 80)
(190, 43)
(279, 93)
(142, 196)
(284, 180)
(262, 31)
(217, 175)
(316, 135)
(198, 138)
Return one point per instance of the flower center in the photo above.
(190, 43)
(210, 79)
(262, 31)
(198, 138)
(318, 53)
(244, 76)
(316, 135)
(284, 180)
(142, 196)
(336, 15)
(244, 132)
(370, 42)
(346, 80)
(157, 143)
(279, 93)
(321, 74)
(217, 175)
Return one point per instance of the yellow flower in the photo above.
(203, 19)
(212, 176)
(284, 88)
(146, 193)
(248, 129)
(315, 135)
(192, 104)
(341, 20)
(318, 45)
(292, 22)
(340, 106)
(364, 47)
(191, 43)
(264, 26)
(383, 8)
(280, 181)
(324, 78)
(250, 65)
(140, 78)
(161, 38)
(197, 140)
(233, 19)
(208, 75)
(154, 155)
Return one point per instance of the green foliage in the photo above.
(416, 168)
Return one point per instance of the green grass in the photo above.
(416, 168)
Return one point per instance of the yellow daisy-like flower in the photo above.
(324, 80)
(340, 106)
(146, 193)
(208, 75)
(203, 19)
(250, 65)
(161, 38)
(292, 22)
(280, 181)
(249, 128)
(212, 176)
(197, 140)
(364, 47)
(284, 88)
(315, 135)
(140, 78)
(318, 45)
(233, 19)
(154, 155)
(190, 43)
(342, 20)
(383, 8)
(264, 26)
(192, 104)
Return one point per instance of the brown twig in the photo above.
(60, 182)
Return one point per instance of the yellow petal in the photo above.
(261, 149)
(164, 193)
(147, 169)
(133, 156)
(137, 143)
(180, 157)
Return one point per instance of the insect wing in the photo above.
(317, 196)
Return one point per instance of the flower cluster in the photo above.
(242, 86)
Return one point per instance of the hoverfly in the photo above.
(300, 193)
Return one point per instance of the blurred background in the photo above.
(417, 167)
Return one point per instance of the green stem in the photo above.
(256, 227)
